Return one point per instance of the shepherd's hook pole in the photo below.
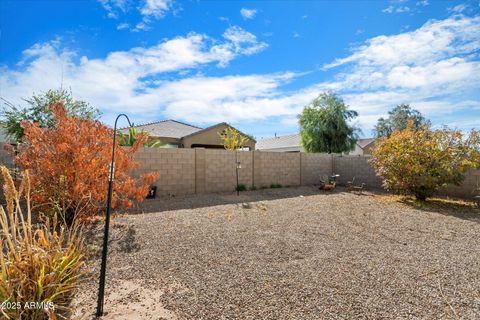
(101, 287)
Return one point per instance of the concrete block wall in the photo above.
(468, 188)
(315, 165)
(189, 171)
(277, 168)
(176, 168)
(349, 167)
(219, 170)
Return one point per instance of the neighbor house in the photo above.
(176, 134)
(292, 143)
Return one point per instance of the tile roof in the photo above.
(281, 143)
(166, 128)
(292, 143)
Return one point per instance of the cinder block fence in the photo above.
(190, 171)
(187, 171)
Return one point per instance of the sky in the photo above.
(253, 64)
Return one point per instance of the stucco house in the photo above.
(176, 134)
(291, 143)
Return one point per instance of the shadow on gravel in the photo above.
(455, 208)
(167, 203)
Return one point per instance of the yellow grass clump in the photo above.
(40, 264)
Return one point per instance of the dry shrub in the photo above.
(40, 265)
(69, 164)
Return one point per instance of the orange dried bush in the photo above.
(69, 164)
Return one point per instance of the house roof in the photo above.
(292, 143)
(282, 143)
(362, 143)
(218, 125)
(166, 128)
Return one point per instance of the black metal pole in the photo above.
(103, 269)
(236, 170)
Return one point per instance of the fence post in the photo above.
(200, 168)
(300, 161)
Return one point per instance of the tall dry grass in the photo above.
(40, 264)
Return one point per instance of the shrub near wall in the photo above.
(70, 167)
(422, 161)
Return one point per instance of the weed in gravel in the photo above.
(276, 185)
(241, 187)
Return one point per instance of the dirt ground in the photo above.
(293, 253)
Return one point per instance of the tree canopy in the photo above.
(420, 161)
(398, 119)
(38, 111)
(324, 125)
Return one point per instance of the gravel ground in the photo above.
(296, 253)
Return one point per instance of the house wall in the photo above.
(357, 151)
(210, 137)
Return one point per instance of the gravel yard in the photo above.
(296, 253)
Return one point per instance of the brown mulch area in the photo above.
(296, 253)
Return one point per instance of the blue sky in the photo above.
(254, 64)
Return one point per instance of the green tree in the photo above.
(37, 110)
(324, 125)
(420, 161)
(397, 119)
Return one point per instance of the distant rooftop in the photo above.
(281, 143)
(166, 128)
(292, 142)
(365, 142)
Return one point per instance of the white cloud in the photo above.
(458, 8)
(123, 26)
(243, 42)
(113, 7)
(435, 68)
(423, 3)
(392, 9)
(155, 8)
(149, 10)
(388, 9)
(127, 79)
(248, 13)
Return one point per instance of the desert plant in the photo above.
(420, 161)
(40, 265)
(129, 139)
(324, 125)
(70, 163)
(233, 139)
